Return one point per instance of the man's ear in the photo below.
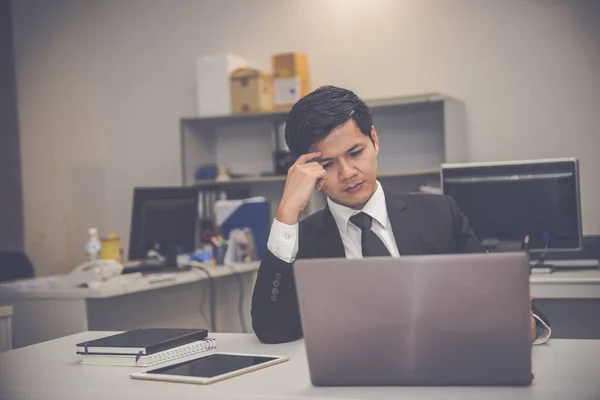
(375, 140)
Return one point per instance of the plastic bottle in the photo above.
(93, 245)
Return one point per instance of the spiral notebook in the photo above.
(174, 353)
(145, 341)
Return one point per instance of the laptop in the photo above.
(417, 320)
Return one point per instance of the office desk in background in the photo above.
(6, 328)
(571, 301)
(156, 300)
(582, 284)
(563, 369)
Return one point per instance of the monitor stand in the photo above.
(156, 263)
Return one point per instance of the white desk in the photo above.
(164, 300)
(571, 300)
(583, 284)
(563, 369)
(6, 328)
(42, 313)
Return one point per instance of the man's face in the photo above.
(350, 159)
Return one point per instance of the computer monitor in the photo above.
(506, 201)
(163, 218)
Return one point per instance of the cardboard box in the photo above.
(251, 91)
(290, 79)
(212, 80)
(288, 65)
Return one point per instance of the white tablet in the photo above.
(210, 368)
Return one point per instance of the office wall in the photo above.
(102, 85)
(11, 200)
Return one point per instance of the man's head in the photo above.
(336, 123)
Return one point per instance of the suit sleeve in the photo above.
(275, 313)
(467, 242)
(543, 330)
(542, 324)
(464, 238)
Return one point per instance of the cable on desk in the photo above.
(540, 261)
(202, 304)
(212, 294)
(546, 239)
(238, 276)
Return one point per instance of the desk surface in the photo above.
(566, 277)
(6, 311)
(41, 288)
(51, 370)
(560, 284)
(582, 284)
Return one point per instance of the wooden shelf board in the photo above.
(281, 178)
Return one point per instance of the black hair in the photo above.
(314, 116)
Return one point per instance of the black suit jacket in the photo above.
(422, 224)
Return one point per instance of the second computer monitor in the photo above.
(504, 202)
(163, 218)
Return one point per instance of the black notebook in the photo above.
(142, 341)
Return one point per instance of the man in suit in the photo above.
(332, 131)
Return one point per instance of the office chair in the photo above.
(15, 265)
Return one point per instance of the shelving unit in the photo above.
(416, 133)
(211, 183)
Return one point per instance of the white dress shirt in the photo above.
(283, 238)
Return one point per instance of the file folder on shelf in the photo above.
(253, 213)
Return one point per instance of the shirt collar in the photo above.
(375, 207)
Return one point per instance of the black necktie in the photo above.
(372, 246)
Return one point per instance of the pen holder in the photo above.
(219, 254)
